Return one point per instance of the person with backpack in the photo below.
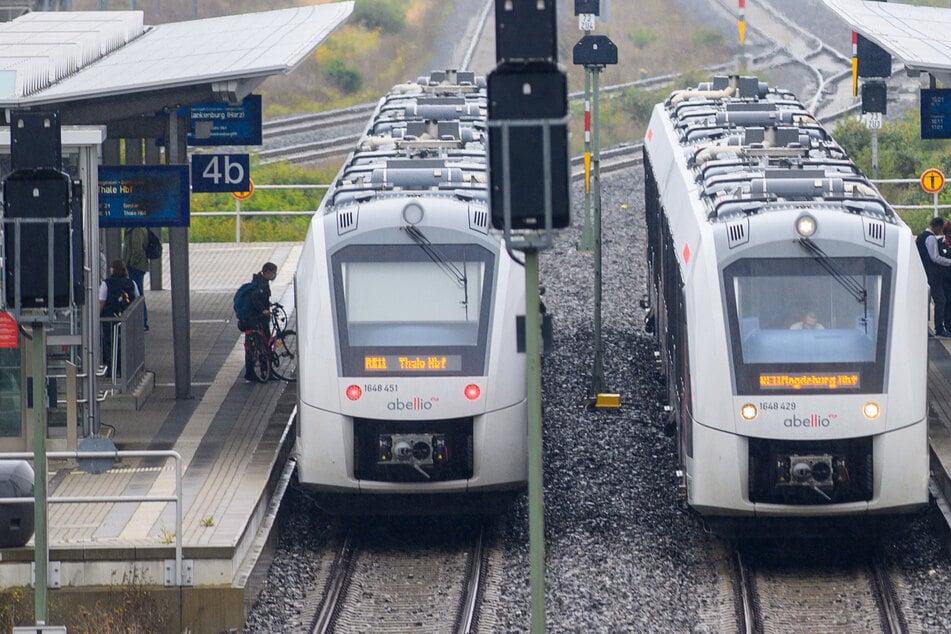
(116, 292)
(134, 252)
(252, 307)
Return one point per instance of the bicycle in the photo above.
(274, 354)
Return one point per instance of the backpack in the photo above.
(243, 309)
(153, 250)
(118, 296)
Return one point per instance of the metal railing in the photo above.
(127, 360)
(237, 213)
(177, 577)
(911, 181)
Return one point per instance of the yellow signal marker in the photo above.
(587, 172)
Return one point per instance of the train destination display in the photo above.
(413, 363)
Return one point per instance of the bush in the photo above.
(642, 36)
(386, 15)
(707, 37)
(343, 76)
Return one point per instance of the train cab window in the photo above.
(406, 310)
(803, 324)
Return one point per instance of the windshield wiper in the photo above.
(454, 272)
(847, 282)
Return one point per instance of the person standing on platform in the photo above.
(254, 310)
(936, 268)
(137, 262)
(116, 293)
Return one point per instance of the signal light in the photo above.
(354, 392)
(472, 391)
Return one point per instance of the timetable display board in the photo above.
(226, 124)
(144, 196)
(936, 113)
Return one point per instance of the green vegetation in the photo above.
(344, 76)
(389, 16)
(902, 153)
(263, 228)
(707, 37)
(642, 37)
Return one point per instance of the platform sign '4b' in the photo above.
(220, 172)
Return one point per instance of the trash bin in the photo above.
(16, 520)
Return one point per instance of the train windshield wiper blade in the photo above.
(453, 271)
(847, 282)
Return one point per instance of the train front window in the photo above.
(403, 309)
(804, 324)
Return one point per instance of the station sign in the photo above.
(225, 124)
(144, 196)
(220, 172)
(936, 113)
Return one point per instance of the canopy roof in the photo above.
(97, 66)
(918, 36)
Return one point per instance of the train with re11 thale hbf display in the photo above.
(411, 380)
(790, 309)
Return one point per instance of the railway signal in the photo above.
(594, 52)
(537, 111)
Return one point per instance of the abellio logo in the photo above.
(815, 420)
(416, 404)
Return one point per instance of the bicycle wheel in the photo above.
(260, 356)
(278, 317)
(285, 355)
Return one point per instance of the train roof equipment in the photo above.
(426, 138)
(751, 149)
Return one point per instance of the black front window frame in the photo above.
(460, 344)
(774, 354)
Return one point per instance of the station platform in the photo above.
(939, 422)
(234, 439)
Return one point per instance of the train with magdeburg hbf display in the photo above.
(790, 309)
(412, 389)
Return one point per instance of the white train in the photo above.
(412, 391)
(790, 308)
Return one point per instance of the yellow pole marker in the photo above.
(587, 172)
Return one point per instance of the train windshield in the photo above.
(808, 324)
(405, 310)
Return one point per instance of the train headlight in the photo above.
(412, 213)
(871, 410)
(354, 392)
(749, 411)
(472, 391)
(806, 225)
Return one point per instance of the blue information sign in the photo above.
(144, 196)
(220, 172)
(226, 124)
(936, 113)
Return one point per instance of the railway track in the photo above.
(330, 135)
(804, 588)
(420, 583)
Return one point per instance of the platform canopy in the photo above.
(103, 67)
(918, 36)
